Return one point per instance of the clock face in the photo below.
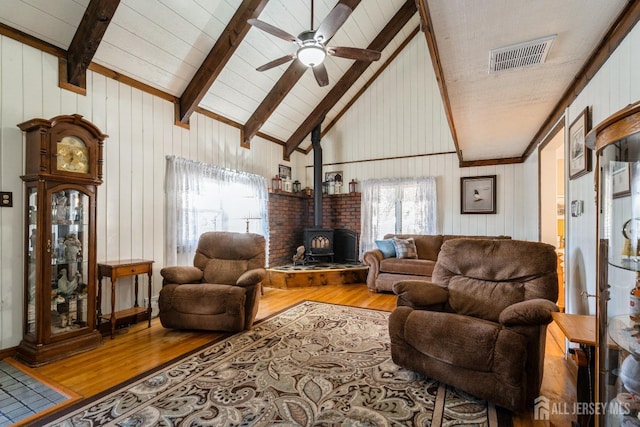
(630, 227)
(73, 155)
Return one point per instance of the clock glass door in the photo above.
(69, 265)
(32, 270)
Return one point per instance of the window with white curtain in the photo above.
(202, 197)
(400, 206)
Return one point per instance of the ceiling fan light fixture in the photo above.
(311, 54)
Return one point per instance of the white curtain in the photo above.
(407, 206)
(202, 197)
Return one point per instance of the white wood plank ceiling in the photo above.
(162, 43)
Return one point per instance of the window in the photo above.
(399, 206)
(202, 198)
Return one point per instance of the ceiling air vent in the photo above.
(520, 55)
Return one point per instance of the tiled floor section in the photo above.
(22, 396)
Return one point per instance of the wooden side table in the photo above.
(124, 268)
(581, 329)
(578, 328)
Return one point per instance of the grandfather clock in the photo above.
(62, 171)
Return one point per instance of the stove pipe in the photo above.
(317, 177)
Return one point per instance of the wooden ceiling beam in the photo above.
(86, 40)
(222, 51)
(393, 27)
(277, 94)
(270, 102)
(430, 36)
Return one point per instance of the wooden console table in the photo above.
(123, 268)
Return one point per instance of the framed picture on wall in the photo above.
(478, 195)
(579, 154)
(284, 171)
(621, 179)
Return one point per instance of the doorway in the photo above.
(551, 163)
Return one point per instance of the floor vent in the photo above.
(520, 55)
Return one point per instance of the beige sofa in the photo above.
(385, 272)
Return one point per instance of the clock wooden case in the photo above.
(64, 158)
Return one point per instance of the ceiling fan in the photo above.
(312, 44)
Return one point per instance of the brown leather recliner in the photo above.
(221, 292)
(481, 325)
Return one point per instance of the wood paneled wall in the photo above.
(614, 86)
(400, 117)
(131, 199)
(398, 128)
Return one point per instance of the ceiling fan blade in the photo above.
(332, 22)
(275, 63)
(354, 53)
(320, 73)
(274, 31)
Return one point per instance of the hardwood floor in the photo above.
(138, 349)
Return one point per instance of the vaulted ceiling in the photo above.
(203, 55)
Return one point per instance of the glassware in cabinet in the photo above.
(616, 141)
(63, 167)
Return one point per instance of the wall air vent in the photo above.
(520, 55)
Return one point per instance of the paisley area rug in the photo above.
(314, 364)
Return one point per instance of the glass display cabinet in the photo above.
(617, 144)
(63, 167)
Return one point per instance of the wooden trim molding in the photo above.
(32, 41)
(136, 84)
(490, 162)
(559, 127)
(8, 352)
(612, 39)
(379, 159)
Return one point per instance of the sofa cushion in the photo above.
(387, 248)
(483, 298)
(405, 248)
(469, 342)
(417, 267)
(428, 246)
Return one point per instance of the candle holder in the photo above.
(276, 183)
(353, 186)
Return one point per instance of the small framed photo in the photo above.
(620, 179)
(478, 195)
(333, 176)
(579, 154)
(284, 171)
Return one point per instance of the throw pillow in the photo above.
(405, 248)
(387, 248)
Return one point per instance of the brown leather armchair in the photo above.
(221, 292)
(481, 325)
